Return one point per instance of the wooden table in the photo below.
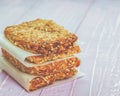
(96, 23)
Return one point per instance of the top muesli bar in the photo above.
(40, 37)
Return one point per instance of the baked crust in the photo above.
(43, 70)
(40, 37)
(47, 80)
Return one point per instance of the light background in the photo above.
(96, 23)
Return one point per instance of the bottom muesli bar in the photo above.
(50, 79)
(30, 82)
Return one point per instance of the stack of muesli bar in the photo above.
(54, 45)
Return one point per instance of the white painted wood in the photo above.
(97, 24)
(100, 57)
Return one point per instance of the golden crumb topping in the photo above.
(37, 31)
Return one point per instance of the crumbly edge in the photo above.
(45, 58)
(30, 36)
(51, 47)
(41, 82)
(38, 30)
(42, 70)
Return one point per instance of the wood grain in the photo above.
(97, 24)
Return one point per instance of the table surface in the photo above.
(95, 22)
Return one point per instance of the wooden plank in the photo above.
(12, 11)
(100, 61)
(101, 50)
